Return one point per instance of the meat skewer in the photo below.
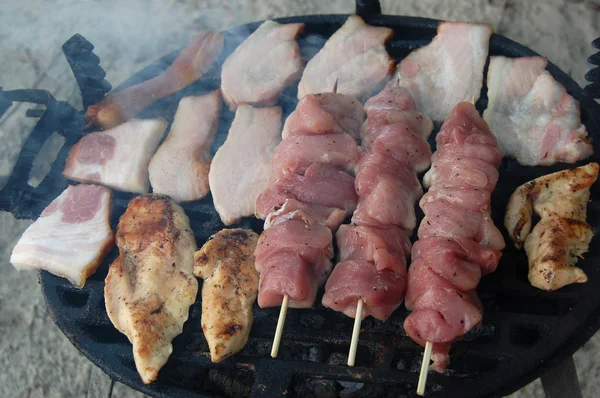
(193, 62)
(458, 242)
(313, 193)
(371, 276)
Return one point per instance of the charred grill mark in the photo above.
(158, 309)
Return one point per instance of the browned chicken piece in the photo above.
(150, 286)
(562, 235)
(226, 263)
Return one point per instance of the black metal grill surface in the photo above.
(525, 331)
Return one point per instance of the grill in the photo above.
(525, 331)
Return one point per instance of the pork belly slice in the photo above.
(242, 167)
(191, 64)
(226, 263)
(355, 56)
(117, 158)
(71, 236)
(150, 287)
(562, 235)
(180, 166)
(448, 70)
(325, 113)
(534, 118)
(263, 65)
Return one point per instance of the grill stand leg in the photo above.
(562, 381)
(101, 385)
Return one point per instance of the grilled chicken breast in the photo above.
(562, 235)
(226, 263)
(150, 287)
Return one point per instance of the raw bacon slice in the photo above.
(117, 158)
(374, 248)
(242, 168)
(191, 64)
(355, 56)
(458, 242)
(446, 71)
(263, 65)
(71, 237)
(313, 193)
(180, 166)
(532, 115)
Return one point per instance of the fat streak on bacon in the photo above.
(458, 242)
(71, 236)
(312, 195)
(373, 249)
(117, 158)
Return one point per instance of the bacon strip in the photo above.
(189, 66)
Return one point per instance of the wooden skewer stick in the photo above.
(355, 333)
(280, 323)
(428, 349)
(424, 369)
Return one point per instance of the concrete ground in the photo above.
(36, 360)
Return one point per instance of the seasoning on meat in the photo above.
(242, 167)
(71, 236)
(355, 56)
(263, 65)
(226, 263)
(150, 286)
(562, 235)
(180, 166)
(191, 64)
(458, 242)
(448, 70)
(373, 249)
(117, 158)
(309, 200)
(532, 115)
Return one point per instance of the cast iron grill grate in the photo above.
(524, 331)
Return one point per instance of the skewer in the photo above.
(280, 323)
(428, 348)
(355, 332)
(424, 369)
(286, 299)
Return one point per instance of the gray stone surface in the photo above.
(36, 360)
